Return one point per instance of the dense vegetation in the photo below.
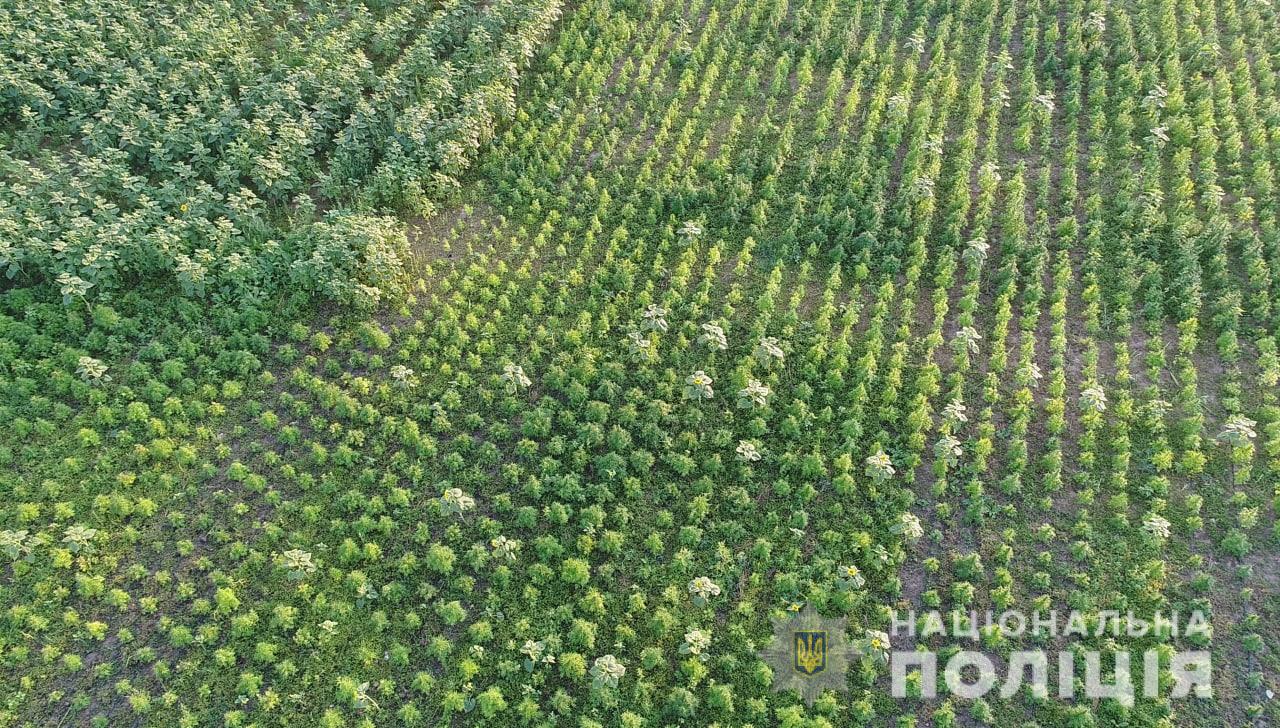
(194, 144)
(749, 304)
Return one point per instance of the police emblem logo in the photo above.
(810, 651)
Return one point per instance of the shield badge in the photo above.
(810, 649)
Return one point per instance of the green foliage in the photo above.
(198, 169)
(1006, 340)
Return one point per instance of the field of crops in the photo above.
(518, 362)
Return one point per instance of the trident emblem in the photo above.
(810, 652)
